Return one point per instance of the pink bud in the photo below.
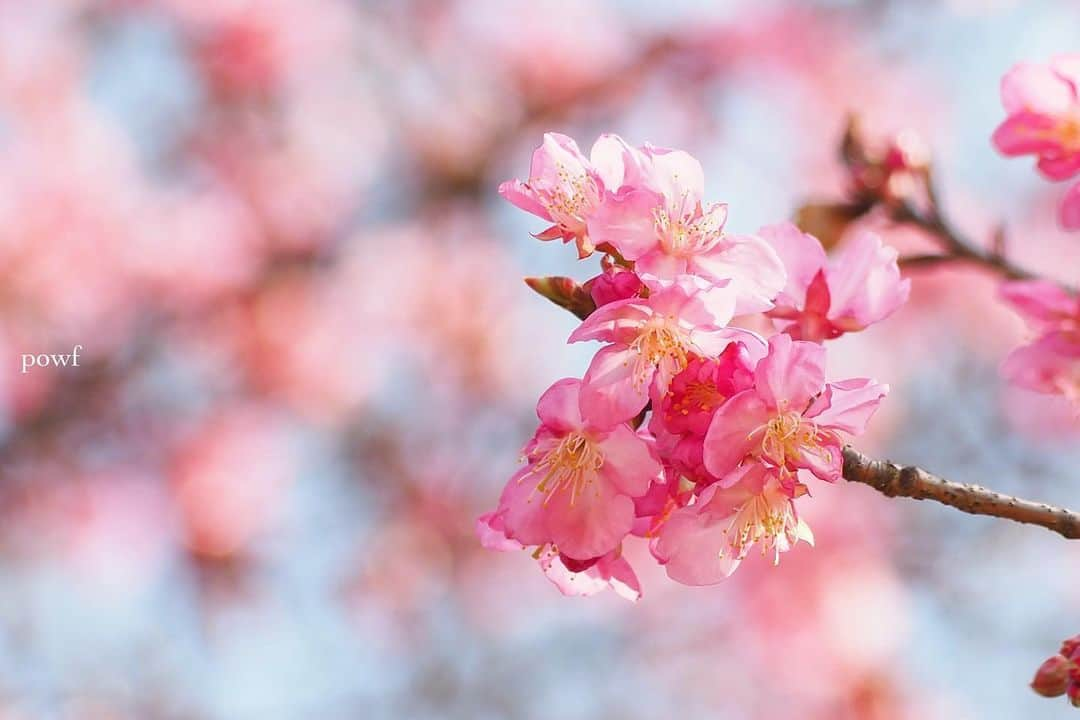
(1052, 677)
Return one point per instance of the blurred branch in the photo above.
(956, 247)
(895, 480)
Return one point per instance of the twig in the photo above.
(895, 480)
(957, 248)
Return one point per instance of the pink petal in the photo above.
(1043, 304)
(522, 196)
(1067, 67)
(1037, 89)
(791, 374)
(658, 265)
(556, 158)
(848, 405)
(865, 283)
(617, 322)
(678, 177)
(1059, 167)
(521, 510)
(616, 162)
(609, 395)
(733, 432)
(757, 275)
(628, 463)
(591, 524)
(492, 536)
(558, 407)
(801, 254)
(1026, 133)
(626, 222)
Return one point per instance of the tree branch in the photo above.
(895, 480)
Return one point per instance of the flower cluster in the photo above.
(1043, 103)
(1060, 674)
(688, 429)
(1051, 363)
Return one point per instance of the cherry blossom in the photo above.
(791, 419)
(576, 491)
(824, 299)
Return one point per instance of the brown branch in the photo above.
(895, 480)
(957, 248)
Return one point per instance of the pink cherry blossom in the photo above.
(661, 224)
(703, 543)
(577, 490)
(822, 299)
(790, 418)
(681, 416)
(650, 341)
(565, 187)
(1044, 115)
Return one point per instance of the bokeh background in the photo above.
(309, 362)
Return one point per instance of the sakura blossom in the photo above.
(576, 491)
(825, 298)
(791, 418)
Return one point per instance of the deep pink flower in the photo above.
(650, 341)
(661, 224)
(565, 187)
(1044, 115)
(790, 418)
(577, 490)
(703, 543)
(681, 416)
(822, 299)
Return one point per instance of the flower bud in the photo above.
(564, 292)
(1052, 677)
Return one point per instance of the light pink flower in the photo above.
(681, 416)
(565, 187)
(791, 419)
(703, 543)
(661, 224)
(1044, 115)
(650, 341)
(577, 490)
(822, 299)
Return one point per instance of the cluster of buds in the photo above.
(1060, 674)
(688, 430)
(892, 173)
(889, 172)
